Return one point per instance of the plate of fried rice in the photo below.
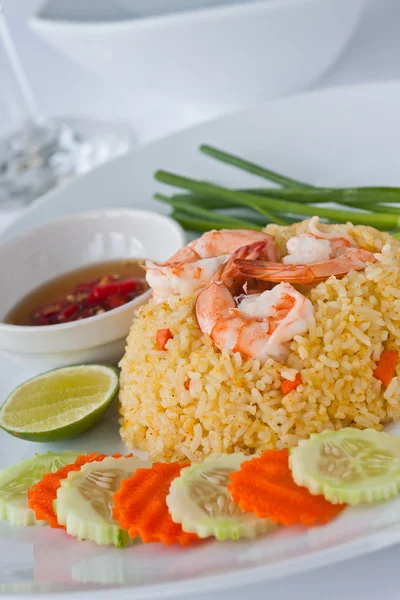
(254, 340)
(219, 383)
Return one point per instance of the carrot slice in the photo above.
(386, 366)
(287, 385)
(42, 494)
(140, 505)
(265, 486)
(162, 337)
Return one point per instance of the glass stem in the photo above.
(17, 69)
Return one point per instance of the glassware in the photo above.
(36, 152)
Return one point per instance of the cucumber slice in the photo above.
(200, 500)
(348, 466)
(84, 500)
(16, 480)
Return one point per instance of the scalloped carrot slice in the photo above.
(42, 494)
(265, 487)
(140, 505)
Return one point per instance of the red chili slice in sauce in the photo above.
(102, 292)
(116, 301)
(88, 299)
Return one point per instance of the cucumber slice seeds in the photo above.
(348, 466)
(200, 500)
(84, 500)
(16, 480)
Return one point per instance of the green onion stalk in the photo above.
(206, 205)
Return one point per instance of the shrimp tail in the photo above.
(299, 274)
(275, 272)
(230, 275)
(270, 251)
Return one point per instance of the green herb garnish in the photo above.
(210, 206)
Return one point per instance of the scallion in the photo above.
(272, 206)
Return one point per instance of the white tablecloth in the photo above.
(373, 54)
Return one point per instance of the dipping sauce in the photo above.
(79, 294)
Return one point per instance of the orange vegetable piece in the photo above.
(42, 494)
(386, 366)
(287, 385)
(162, 337)
(265, 487)
(187, 384)
(140, 505)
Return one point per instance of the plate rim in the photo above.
(367, 544)
(344, 89)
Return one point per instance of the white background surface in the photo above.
(63, 88)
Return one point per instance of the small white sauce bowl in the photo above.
(66, 244)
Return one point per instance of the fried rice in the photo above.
(191, 399)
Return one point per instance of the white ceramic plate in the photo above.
(337, 137)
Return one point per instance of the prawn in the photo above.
(193, 267)
(315, 245)
(350, 259)
(313, 257)
(225, 241)
(261, 324)
(182, 278)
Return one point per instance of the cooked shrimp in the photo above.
(350, 259)
(306, 248)
(182, 278)
(194, 266)
(315, 246)
(262, 324)
(224, 241)
(325, 235)
(312, 257)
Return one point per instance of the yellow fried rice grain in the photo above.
(234, 404)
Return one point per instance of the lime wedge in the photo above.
(59, 404)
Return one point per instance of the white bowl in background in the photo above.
(65, 244)
(214, 52)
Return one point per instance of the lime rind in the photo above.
(84, 500)
(55, 415)
(349, 466)
(200, 501)
(16, 480)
